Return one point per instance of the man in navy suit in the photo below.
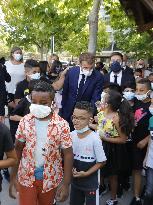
(82, 83)
(117, 74)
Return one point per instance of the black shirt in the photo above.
(21, 109)
(4, 77)
(142, 116)
(21, 89)
(6, 143)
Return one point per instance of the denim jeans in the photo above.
(148, 200)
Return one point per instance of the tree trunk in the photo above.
(93, 26)
(41, 52)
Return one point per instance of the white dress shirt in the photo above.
(80, 77)
(119, 77)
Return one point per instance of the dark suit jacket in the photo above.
(4, 77)
(126, 77)
(91, 92)
(128, 70)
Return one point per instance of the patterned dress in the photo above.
(106, 127)
(116, 154)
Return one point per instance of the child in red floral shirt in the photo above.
(39, 138)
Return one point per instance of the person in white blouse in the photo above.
(15, 68)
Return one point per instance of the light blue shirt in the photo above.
(41, 137)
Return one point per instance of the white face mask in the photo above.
(35, 76)
(17, 56)
(151, 110)
(83, 130)
(87, 72)
(40, 111)
(142, 97)
(129, 95)
(152, 86)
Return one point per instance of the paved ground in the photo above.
(6, 200)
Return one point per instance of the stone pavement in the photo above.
(6, 200)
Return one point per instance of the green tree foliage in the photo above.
(78, 43)
(126, 35)
(32, 22)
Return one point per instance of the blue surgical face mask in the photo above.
(83, 130)
(142, 97)
(17, 56)
(152, 85)
(129, 95)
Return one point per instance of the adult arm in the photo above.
(6, 74)
(96, 96)
(58, 85)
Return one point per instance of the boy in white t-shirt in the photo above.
(89, 157)
(148, 162)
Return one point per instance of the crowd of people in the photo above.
(83, 127)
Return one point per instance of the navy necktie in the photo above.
(115, 79)
(80, 88)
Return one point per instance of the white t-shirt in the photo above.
(17, 74)
(41, 135)
(89, 148)
(87, 152)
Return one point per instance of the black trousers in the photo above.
(78, 197)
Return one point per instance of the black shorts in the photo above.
(138, 157)
(79, 197)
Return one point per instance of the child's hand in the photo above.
(116, 120)
(62, 193)
(93, 126)
(96, 118)
(79, 174)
